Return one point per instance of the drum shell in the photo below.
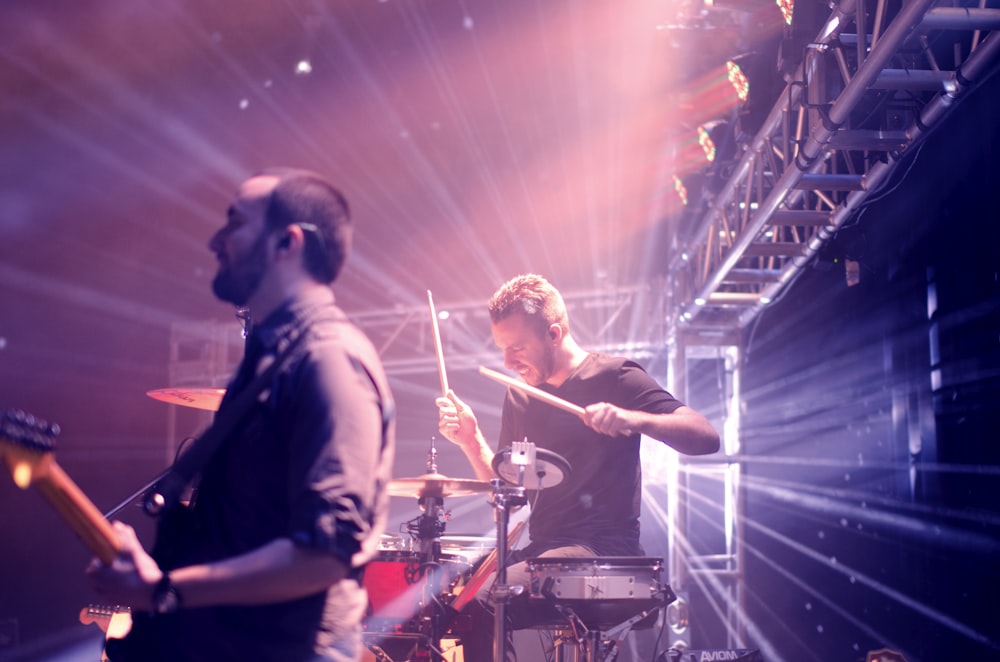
(595, 578)
(602, 591)
(398, 583)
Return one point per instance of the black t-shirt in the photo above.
(598, 505)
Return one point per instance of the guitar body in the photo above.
(151, 638)
(165, 636)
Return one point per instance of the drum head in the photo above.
(550, 469)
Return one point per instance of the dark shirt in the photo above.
(598, 505)
(309, 462)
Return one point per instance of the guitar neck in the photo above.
(75, 508)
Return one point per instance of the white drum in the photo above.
(602, 591)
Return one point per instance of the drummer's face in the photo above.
(525, 350)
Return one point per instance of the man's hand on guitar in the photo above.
(131, 577)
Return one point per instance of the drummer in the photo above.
(595, 510)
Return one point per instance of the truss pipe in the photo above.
(978, 64)
(809, 161)
(898, 31)
(960, 18)
(911, 79)
(789, 97)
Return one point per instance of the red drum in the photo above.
(400, 585)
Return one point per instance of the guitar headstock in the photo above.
(24, 441)
(26, 445)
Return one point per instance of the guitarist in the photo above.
(266, 563)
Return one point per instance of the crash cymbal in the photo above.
(185, 396)
(436, 485)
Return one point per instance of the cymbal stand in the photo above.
(504, 498)
(590, 645)
(427, 530)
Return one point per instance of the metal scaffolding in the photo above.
(869, 88)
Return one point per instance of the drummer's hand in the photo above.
(130, 578)
(610, 420)
(456, 421)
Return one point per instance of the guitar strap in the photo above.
(166, 492)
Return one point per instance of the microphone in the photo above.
(246, 320)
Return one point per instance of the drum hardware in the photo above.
(522, 463)
(420, 576)
(578, 643)
(593, 603)
(525, 465)
(504, 498)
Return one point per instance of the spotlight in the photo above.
(755, 77)
(717, 140)
(738, 79)
(682, 192)
(803, 21)
(786, 7)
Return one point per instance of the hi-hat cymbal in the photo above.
(198, 398)
(549, 470)
(436, 485)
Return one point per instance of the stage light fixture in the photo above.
(802, 25)
(706, 142)
(681, 190)
(786, 7)
(717, 140)
(738, 79)
(755, 77)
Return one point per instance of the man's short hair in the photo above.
(307, 199)
(532, 296)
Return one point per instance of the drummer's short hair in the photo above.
(309, 200)
(534, 297)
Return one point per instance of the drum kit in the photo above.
(422, 577)
(417, 587)
(418, 583)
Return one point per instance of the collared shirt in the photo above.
(310, 463)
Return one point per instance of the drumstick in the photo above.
(532, 391)
(437, 345)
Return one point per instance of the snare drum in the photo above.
(602, 591)
(400, 584)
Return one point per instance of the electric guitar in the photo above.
(26, 446)
(115, 622)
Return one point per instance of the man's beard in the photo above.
(238, 281)
(541, 370)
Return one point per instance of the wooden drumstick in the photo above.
(437, 345)
(532, 391)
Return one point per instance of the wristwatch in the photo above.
(166, 597)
